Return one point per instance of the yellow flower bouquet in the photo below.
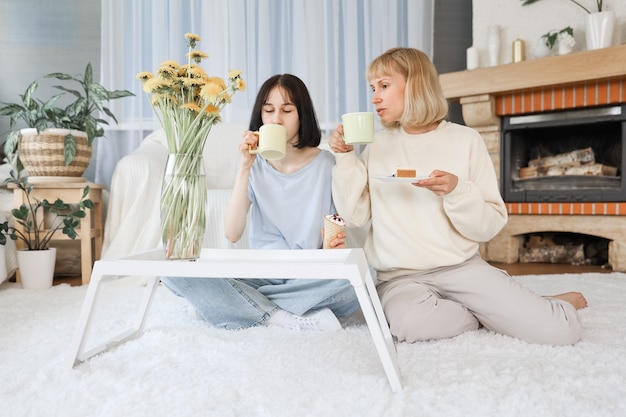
(187, 103)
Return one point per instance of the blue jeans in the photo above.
(233, 303)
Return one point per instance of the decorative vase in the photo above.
(183, 206)
(541, 49)
(493, 45)
(473, 59)
(36, 268)
(566, 43)
(599, 29)
(42, 154)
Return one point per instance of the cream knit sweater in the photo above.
(413, 229)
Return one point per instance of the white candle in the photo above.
(473, 61)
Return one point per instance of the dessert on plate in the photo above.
(406, 173)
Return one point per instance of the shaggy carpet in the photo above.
(181, 367)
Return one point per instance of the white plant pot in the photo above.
(599, 28)
(36, 268)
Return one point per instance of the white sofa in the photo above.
(132, 223)
(8, 256)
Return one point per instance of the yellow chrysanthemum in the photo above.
(183, 70)
(197, 56)
(197, 72)
(144, 76)
(217, 80)
(192, 39)
(212, 109)
(170, 63)
(232, 74)
(240, 84)
(167, 72)
(193, 36)
(155, 85)
(191, 106)
(211, 91)
(189, 82)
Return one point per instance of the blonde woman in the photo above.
(424, 237)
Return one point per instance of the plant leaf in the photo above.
(69, 149)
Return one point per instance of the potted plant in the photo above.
(599, 24)
(37, 229)
(598, 4)
(78, 123)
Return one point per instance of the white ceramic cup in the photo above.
(272, 142)
(358, 128)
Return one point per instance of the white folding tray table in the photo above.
(349, 264)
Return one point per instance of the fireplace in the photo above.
(560, 106)
(565, 156)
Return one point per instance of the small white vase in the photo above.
(473, 60)
(541, 49)
(599, 28)
(566, 43)
(36, 268)
(493, 45)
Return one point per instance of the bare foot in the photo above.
(574, 298)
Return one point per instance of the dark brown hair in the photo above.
(309, 132)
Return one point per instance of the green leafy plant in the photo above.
(80, 114)
(32, 215)
(598, 4)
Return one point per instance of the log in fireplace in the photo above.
(565, 156)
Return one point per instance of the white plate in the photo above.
(391, 178)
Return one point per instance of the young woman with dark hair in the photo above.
(285, 201)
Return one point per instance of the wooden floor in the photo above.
(513, 269)
(542, 268)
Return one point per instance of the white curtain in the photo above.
(327, 43)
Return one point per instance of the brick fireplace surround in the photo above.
(579, 80)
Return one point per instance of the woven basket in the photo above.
(42, 153)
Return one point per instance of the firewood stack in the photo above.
(576, 162)
(564, 248)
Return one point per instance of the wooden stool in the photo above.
(91, 229)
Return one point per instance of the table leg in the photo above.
(386, 351)
(85, 249)
(77, 349)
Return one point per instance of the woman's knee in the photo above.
(428, 318)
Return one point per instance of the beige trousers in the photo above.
(448, 301)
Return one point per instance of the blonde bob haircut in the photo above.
(424, 101)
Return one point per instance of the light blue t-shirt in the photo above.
(287, 211)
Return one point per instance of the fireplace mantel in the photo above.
(598, 64)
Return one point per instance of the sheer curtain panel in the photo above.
(327, 43)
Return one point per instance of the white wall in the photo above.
(530, 22)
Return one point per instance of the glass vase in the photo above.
(183, 206)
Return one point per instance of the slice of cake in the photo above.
(406, 173)
(333, 225)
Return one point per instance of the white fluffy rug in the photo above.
(180, 367)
